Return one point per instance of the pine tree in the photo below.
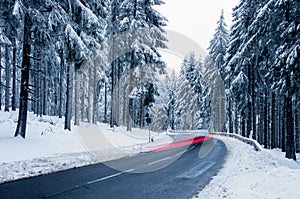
(187, 105)
(0, 77)
(217, 52)
(256, 34)
(4, 41)
(172, 106)
(22, 119)
(32, 15)
(288, 60)
(218, 45)
(136, 15)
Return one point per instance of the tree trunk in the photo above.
(0, 78)
(266, 124)
(141, 114)
(14, 80)
(22, 120)
(297, 127)
(37, 83)
(283, 135)
(261, 120)
(253, 99)
(290, 139)
(125, 104)
(55, 93)
(249, 103)
(7, 79)
(229, 112)
(119, 95)
(277, 123)
(83, 90)
(243, 125)
(279, 119)
(95, 96)
(129, 92)
(105, 102)
(34, 82)
(68, 114)
(236, 121)
(89, 107)
(45, 90)
(273, 121)
(61, 84)
(40, 85)
(112, 119)
(112, 97)
(76, 100)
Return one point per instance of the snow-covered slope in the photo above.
(48, 148)
(45, 137)
(254, 174)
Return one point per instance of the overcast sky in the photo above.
(195, 19)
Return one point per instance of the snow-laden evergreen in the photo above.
(99, 61)
(219, 43)
(263, 58)
(193, 94)
(70, 52)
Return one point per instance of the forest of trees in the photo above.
(184, 101)
(98, 61)
(55, 59)
(259, 61)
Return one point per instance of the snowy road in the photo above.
(172, 173)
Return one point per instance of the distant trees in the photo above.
(193, 95)
(184, 101)
(214, 96)
(188, 105)
(165, 111)
(172, 107)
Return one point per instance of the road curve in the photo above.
(171, 173)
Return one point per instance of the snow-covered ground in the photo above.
(254, 174)
(48, 148)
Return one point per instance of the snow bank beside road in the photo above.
(254, 174)
(48, 148)
(45, 137)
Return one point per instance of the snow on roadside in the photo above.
(254, 174)
(45, 137)
(48, 148)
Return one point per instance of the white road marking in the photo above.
(197, 170)
(159, 161)
(108, 177)
(178, 154)
(174, 156)
(105, 178)
(129, 170)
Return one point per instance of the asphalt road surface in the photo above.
(172, 172)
